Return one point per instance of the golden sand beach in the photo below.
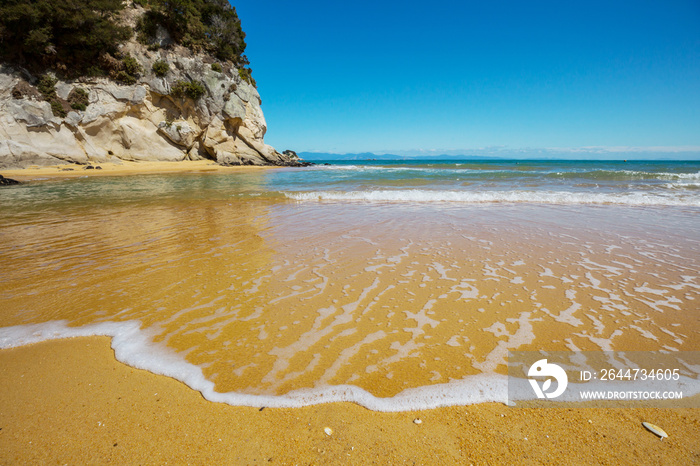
(70, 402)
(267, 297)
(493, 259)
(123, 167)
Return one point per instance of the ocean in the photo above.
(398, 285)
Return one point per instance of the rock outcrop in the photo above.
(142, 121)
(7, 181)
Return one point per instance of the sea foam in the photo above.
(133, 346)
(482, 197)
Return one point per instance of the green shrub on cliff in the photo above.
(131, 66)
(57, 109)
(47, 86)
(246, 75)
(192, 89)
(123, 77)
(78, 99)
(161, 68)
(126, 71)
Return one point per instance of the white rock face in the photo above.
(139, 122)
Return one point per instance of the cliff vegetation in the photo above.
(82, 37)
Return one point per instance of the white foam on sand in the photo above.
(133, 346)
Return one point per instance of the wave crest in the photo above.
(484, 197)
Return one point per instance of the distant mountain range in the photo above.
(592, 154)
(371, 156)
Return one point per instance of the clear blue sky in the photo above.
(398, 76)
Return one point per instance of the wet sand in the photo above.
(34, 173)
(270, 297)
(69, 401)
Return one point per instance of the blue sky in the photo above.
(461, 76)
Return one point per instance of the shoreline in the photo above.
(70, 400)
(39, 173)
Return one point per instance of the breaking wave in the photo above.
(482, 197)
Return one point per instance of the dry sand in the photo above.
(70, 402)
(122, 168)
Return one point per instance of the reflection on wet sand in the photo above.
(268, 297)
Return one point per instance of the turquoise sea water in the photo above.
(549, 182)
(467, 182)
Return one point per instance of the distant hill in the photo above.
(593, 153)
(371, 156)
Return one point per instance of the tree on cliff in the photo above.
(207, 25)
(70, 36)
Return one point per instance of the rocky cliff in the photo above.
(147, 120)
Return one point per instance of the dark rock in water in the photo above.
(327, 164)
(280, 163)
(296, 163)
(7, 181)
